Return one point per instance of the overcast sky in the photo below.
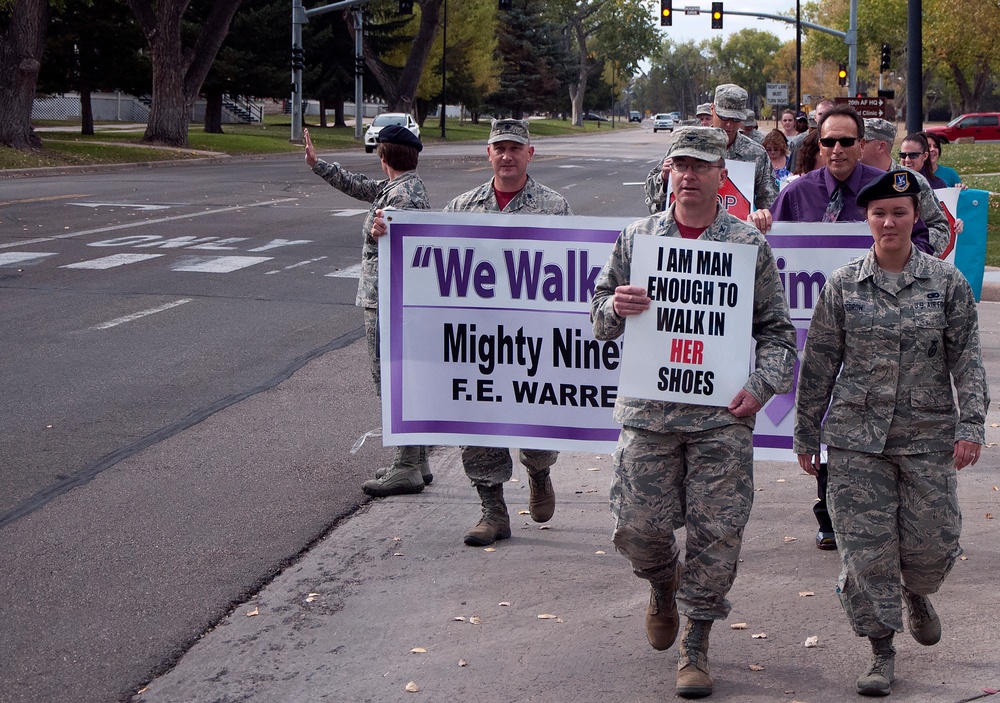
(699, 27)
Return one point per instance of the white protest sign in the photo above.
(693, 344)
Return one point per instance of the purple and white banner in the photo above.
(486, 336)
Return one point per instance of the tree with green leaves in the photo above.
(22, 40)
(533, 62)
(182, 53)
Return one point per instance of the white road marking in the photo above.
(634, 183)
(218, 264)
(348, 213)
(23, 257)
(349, 272)
(137, 315)
(110, 262)
(571, 166)
(128, 205)
(25, 242)
(129, 225)
(295, 266)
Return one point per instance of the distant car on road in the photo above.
(676, 116)
(978, 126)
(663, 121)
(594, 117)
(634, 116)
(402, 119)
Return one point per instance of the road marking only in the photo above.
(137, 315)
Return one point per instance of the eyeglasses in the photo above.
(696, 166)
(845, 142)
(728, 119)
(911, 155)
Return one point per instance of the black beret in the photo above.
(894, 184)
(395, 134)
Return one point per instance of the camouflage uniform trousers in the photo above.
(699, 480)
(492, 466)
(898, 522)
(374, 356)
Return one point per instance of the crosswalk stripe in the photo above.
(217, 264)
(108, 262)
(348, 213)
(14, 258)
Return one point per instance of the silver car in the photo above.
(402, 119)
(663, 121)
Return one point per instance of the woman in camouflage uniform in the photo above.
(890, 334)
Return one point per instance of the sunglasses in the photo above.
(911, 154)
(843, 141)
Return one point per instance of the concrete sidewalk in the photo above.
(344, 622)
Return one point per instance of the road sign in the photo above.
(806, 99)
(870, 107)
(777, 93)
(692, 10)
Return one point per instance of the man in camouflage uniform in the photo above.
(398, 151)
(749, 128)
(684, 465)
(511, 190)
(728, 112)
(877, 151)
(890, 335)
(704, 114)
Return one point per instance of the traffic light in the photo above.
(716, 15)
(886, 57)
(666, 13)
(298, 58)
(406, 7)
(842, 74)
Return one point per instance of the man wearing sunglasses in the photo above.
(879, 137)
(729, 110)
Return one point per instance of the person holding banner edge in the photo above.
(680, 464)
(511, 190)
(891, 334)
(398, 151)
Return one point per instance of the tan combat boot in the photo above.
(662, 620)
(925, 625)
(879, 677)
(693, 677)
(424, 465)
(495, 523)
(401, 478)
(542, 502)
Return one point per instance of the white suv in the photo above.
(663, 121)
(402, 119)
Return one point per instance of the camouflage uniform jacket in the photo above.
(938, 229)
(772, 329)
(881, 353)
(404, 192)
(757, 136)
(765, 188)
(533, 199)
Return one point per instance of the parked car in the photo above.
(676, 116)
(402, 119)
(978, 126)
(663, 121)
(594, 116)
(634, 116)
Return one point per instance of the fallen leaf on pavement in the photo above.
(738, 626)
(397, 554)
(756, 667)
(397, 539)
(759, 636)
(475, 620)
(462, 662)
(791, 539)
(418, 650)
(964, 558)
(596, 468)
(460, 618)
(504, 603)
(812, 641)
(545, 527)
(412, 687)
(490, 549)
(780, 480)
(806, 594)
(524, 512)
(989, 516)
(546, 616)
(253, 613)
(599, 552)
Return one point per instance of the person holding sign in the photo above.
(686, 464)
(890, 335)
(728, 112)
(398, 151)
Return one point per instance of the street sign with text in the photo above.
(777, 93)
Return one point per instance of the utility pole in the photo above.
(914, 68)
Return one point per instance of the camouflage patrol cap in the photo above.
(751, 119)
(894, 184)
(509, 131)
(730, 102)
(703, 143)
(704, 109)
(879, 130)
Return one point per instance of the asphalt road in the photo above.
(136, 304)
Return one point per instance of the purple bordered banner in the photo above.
(486, 336)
